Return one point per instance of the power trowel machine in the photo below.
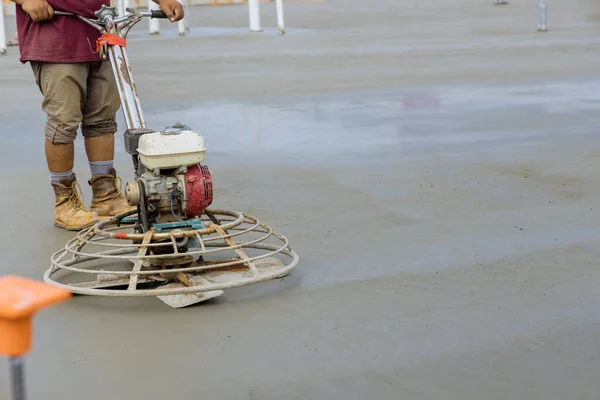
(171, 245)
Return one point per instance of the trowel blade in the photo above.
(188, 299)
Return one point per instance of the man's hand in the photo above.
(172, 8)
(38, 10)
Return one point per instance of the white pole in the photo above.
(120, 6)
(186, 10)
(181, 23)
(2, 31)
(254, 8)
(543, 17)
(153, 23)
(280, 22)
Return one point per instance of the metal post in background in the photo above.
(2, 31)
(543, 17)
(280, 21)
(186, 10)
(122, 6)
(181, 23)
(254, 9)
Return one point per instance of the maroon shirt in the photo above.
(64, 39)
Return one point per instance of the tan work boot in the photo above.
(108, 200)
(69, 211)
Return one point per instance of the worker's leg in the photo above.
(99, 128)
(63, 87)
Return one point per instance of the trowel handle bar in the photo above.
(148, 14)
(158, 14)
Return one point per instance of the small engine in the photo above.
(171, 184)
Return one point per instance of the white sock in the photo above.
(57, 176)
(101, 167)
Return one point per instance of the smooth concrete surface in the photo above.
(433, 162)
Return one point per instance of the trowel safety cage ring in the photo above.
(48, 278)
(103, 230)
(70, 258)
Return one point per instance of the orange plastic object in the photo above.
(20, 299)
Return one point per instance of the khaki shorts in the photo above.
(74, 94)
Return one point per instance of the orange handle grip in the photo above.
(20, 299)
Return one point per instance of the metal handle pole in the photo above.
(130, 101)
(17, 377)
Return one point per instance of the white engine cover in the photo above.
(171, 148)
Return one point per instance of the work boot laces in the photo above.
(119, 187)
(76, 198)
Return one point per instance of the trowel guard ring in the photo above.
(231, 250)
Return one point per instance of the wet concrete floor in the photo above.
(434, 164)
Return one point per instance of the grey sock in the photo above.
(57, 176)
(101, 167)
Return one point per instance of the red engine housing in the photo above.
(198, 190)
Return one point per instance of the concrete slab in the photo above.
(434, 164)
